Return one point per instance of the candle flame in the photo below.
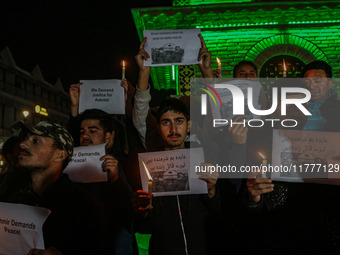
(262, 156)
(147, 171)
(123, 63)
(218, 60)
(284, 65)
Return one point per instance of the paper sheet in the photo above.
(85, 165)
(171, 172)
(310, 156)
(172, 47)
(106, 95)
(21, 228)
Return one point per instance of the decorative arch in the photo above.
(284, 44)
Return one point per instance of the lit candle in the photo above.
(284, 69)
(264, 159)
(219, 67)
(264, 163)
(123, 70)
(149, 183)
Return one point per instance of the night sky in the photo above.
(73, 39)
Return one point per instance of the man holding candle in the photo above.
(317, 223)
(325, 111)
(162, 218)
(178, 224)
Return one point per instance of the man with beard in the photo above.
(98, 127)
(324, 106)
(316, 226)
(194, 234)
(78, 222)
(178, 224)
(94, 126)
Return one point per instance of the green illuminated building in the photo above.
(263, 32)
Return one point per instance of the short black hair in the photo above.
(172, 104)
(106, 121)
(318, 65)
(243, 63)
(110, 124)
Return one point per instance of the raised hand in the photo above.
(74, 97)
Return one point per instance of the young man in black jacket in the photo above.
(78, 222)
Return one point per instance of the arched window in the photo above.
(274, 67)
(282, 66)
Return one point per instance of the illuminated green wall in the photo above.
(199, 2)
(255, 31)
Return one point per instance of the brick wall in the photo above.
(307, 43)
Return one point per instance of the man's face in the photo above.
(173, 128)
(37, 152)
(246, 72)
(318, 84)
(92, 133)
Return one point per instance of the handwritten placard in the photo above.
(85, 165)
(171, 172)
(106, 95)
(172, 47)
(306, 156)
(21, 228)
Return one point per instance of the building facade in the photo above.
(266, 33)
(22, 91)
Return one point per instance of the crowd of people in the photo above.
(255, 214)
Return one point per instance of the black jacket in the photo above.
(78, 223)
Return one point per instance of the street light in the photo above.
(25, 113)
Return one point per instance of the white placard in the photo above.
(310, 156)
(225, 110)
(171, 172)
(21, 228)
(85, 165)
(106, 95)
(172, 47)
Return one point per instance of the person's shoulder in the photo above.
(331, 101)
(331, 107)
(330, 110)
